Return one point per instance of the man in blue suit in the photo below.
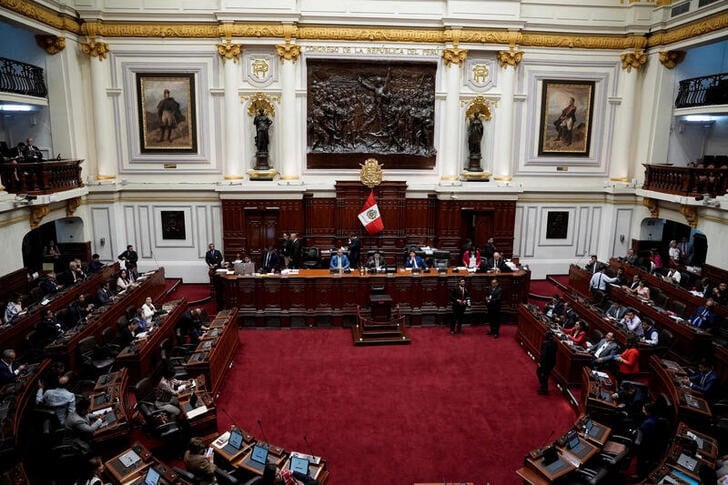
(9, 368)
(415, 262)
(339, 261)
(705, 380)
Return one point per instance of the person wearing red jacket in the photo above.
(577, 333)
(471, 258)
(628, 362)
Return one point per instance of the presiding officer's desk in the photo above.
(314, 295)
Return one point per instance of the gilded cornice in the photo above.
(652, 206)
(694, 29)
(50, 43)
(95, 49)
(42, 14)
(690, 213)
(37, 213)
(288, 52)
(635, 60)
(71, 206)
(670, 59)
(228, 50)
(510, 58)
(453, 55)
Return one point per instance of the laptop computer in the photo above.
(234, 443)
(258, 458)
(152, 477)
(299, 464)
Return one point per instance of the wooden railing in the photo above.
(21, 78)
(688, 181)
(702, 91)
(41, 177)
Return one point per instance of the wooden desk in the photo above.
(143, 356)
(216, 350)
(580, 280)
(552, 471)
(569, 363)
(689, 407)
(143, 459)
(112, 397)
(64, 348)
(13, 336)
(317, 295)
(201, 420)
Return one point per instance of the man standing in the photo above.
(546, 362)
(169, 115)
(56, 397)
(460, 298)
(354, 250)
(493, 302)
(31, 153)
(130, 258)
(565, 123)
(271, 260)
(286, 250)
(489, 249)
(296, 249)
(213, 258)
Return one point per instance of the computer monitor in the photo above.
(259, 454)
(152, 477)
(236, 438)
(571, 439)
(299, 464)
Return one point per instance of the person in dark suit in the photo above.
(354, 251)
(604, 351)
(546, 362)
(49, 285)
(9, 367)
(130, 258)
(49, 328)
(460, 298)
(286, 249)
(616, 311)
(594, 265)
(705, 380)
(296, 250)
(197, 463)
(376, 262)
(271, 260)
(213, 257)
(497, 263)
(104, 295)
(413, 261)
(493, 301)
(489, 250)
(704, 316)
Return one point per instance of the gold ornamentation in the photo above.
(260, 68)
(261, 101)
(479, 105)
(50, 43)
(479, 176)
(72, 205)
(690, 213)
(453, 55)
(663, 3)
(95, 49)
(652, 206)
(105, 177)
(262, 174)
(43, 14)
(233, 177)
(227, 50)
(37, 213)
(512, 58)
(480, 73)
(635, 60)
(288, 52)
(371, 173)
(670, 59)
(698, 28)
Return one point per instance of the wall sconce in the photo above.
(102, 241)
(621, 238)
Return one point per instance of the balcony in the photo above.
(686, 181)
(703, 91)
(38, 178)
(21, 78)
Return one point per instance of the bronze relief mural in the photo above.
(359, 109)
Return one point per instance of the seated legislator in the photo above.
(376, 262)
(673, 276)
(568, 316)
(604, 350)
(49, 328)
(642, 291)
(705, 380)
(631, 322)
(339, 261)
(95, 265)
(14, 309)
(79, 423)
(9, 367)
(166, 393)
(93, 472)
(631, 258)
(577, 333)
(616, 311)
(704, 317)
(413, 261)
(497, 263)
(630, 398)
(78, 310)
(49, 284)
(123, 282)
(104, 295)
(628, 362)
(594, 265)
(148, 309)
(632, 286)
(197, 463)
(53, 395)
(271, 262)
(554, 307)
(650, 335)
(471, 258)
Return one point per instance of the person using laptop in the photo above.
(198, 463)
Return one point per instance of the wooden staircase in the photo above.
(369, 332)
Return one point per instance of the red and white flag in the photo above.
(370, 217)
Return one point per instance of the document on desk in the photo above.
(129, 458)
(196, 412)
(695, 438)
(222, 440)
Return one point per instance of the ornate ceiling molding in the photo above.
(634, 60)
(670, 59)
(229, 51)
(288, 52)
(43, 14)
(50, 43)
(453, 55)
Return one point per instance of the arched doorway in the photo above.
(67, 233)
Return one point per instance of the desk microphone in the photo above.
(232, 421)
(310, 449)
(260, 425)
(538, 453)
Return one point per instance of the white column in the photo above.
(503, 156)
(233, 166)
(619, 168)
(452, 136)
(106, 162)
(290, 165)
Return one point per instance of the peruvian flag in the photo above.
(370, 217)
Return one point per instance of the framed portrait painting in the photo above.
(566, 118)
(173, 225)
(166, 112)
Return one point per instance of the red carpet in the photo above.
(445, 408)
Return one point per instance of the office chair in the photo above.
(664, 342)
(95, 359)
(222, 476)
(156, 421)
(311, 258)
(174, 358)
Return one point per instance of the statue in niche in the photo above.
(475, 136)
(262, 124)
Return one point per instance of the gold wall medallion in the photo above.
(288, 52)
(635, 60)
(371, 173)
(670, 59)
(480, 73)
(51, 43)
(259, 67)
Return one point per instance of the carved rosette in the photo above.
(690, 213)
(37, 213)
(670, 59)
(95, 49)
(453, 55)
(635, 60)
(512, 58)
(229, 51)
(51, 43)
(652, 206)
(371, 173)
(72, 205)
(288, 52)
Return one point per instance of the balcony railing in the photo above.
(687, 181)
(41, 177)
(20, 78)
(703, 91)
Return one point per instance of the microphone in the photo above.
(538, 453)
(310, 449)
(260, 425)
(232, 421)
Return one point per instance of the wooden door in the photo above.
(261, 230)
